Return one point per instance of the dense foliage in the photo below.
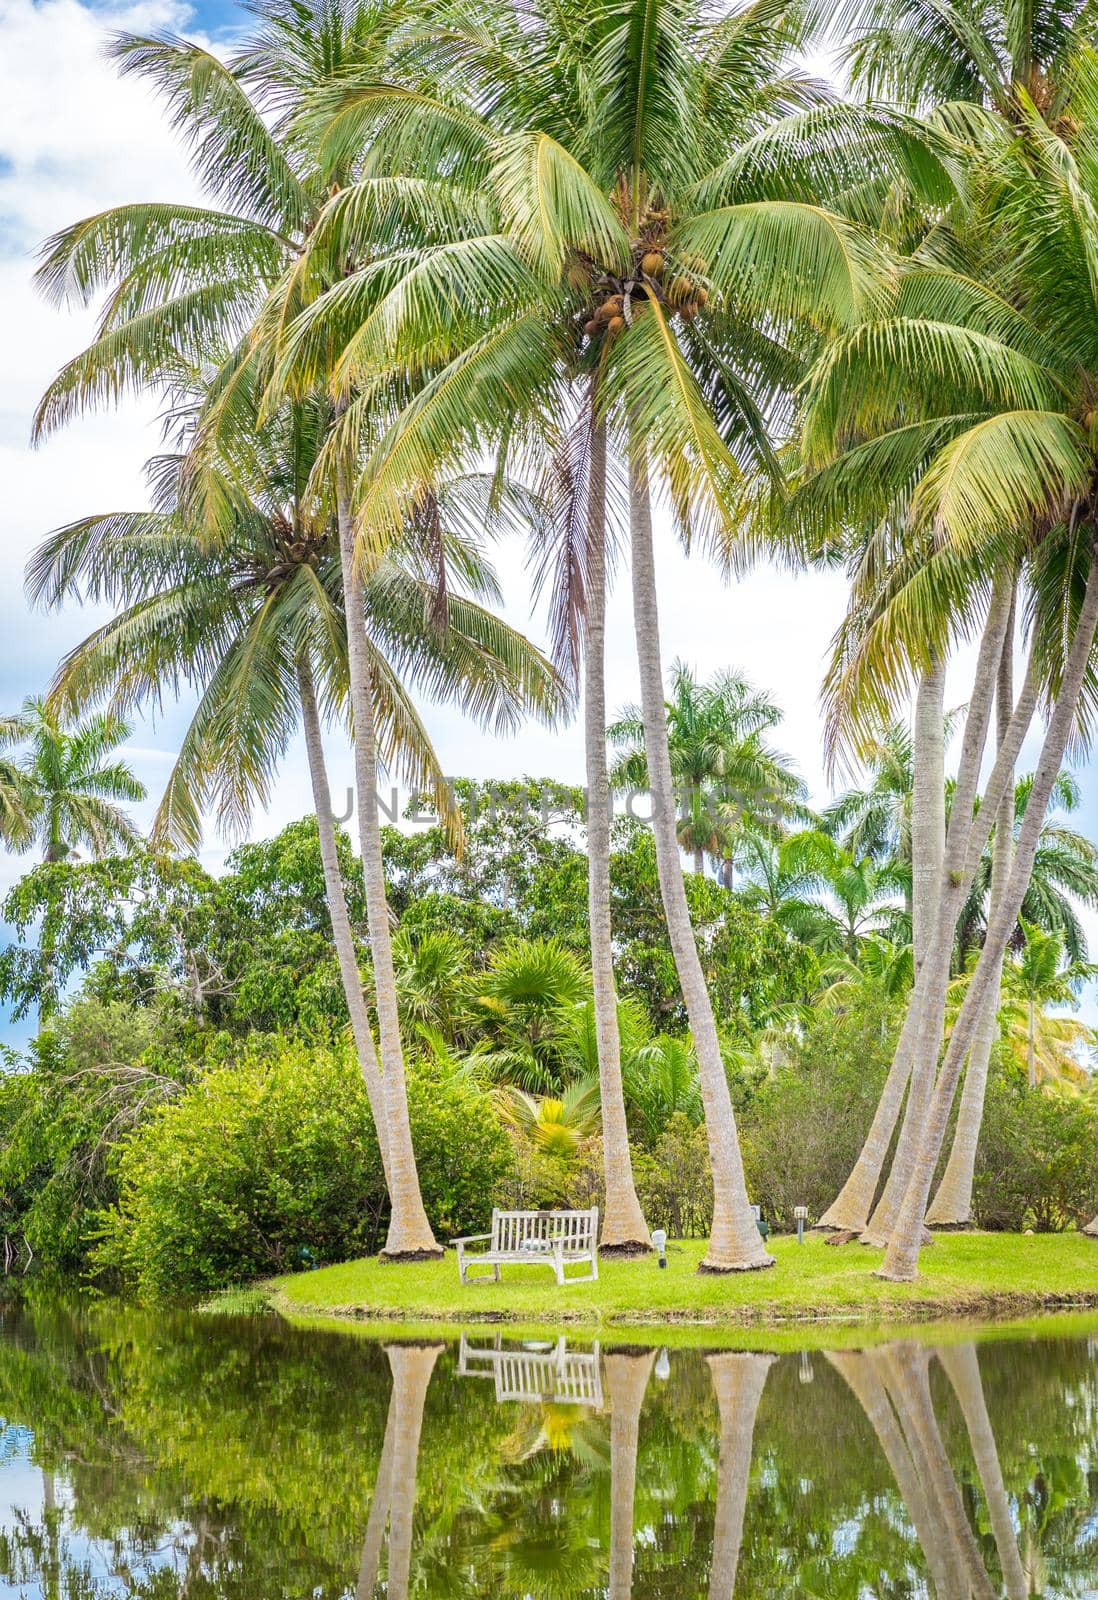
(191, 1116)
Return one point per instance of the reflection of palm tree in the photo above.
(963, 1370)
(739, 1381)
(626, 1380)
(395, 1491)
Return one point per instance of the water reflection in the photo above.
(180, 1457)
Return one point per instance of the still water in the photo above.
(164, 1457)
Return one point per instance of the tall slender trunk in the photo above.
(854, 1202)
(866, 1374)
(962, 1368)
(378, 1519)
(952, 1205)
(734, 1243)
(410, 1236)
(910, 1390)
(739, 1381)
(928, 1007)
(624, 1230)
(902, 1256)
(626, 1381)
(699, 862)
(412, 1367)
(337, 908)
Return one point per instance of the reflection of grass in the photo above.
(962, 1275)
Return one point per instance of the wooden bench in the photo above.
(553, 1239)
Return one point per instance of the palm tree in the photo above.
(1064, 868)
(68, 791)
(995, 441)
(627, 1374)
(726, 776)
(256, 623)
(62, 792)
(1039, 978)
(187, 282)
(595, 218)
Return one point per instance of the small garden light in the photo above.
(801, 1214)
(659, 1239)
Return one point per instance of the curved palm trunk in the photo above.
(624, 1230)
(902, 1256)
(412, 1366)
(865, 1374)
(854, 1202)
(952, 1205)
(410, 1237)
(739, 1381)
(911, 1394)
(337, 908)
(1092, 1228)
(626, 1381)
(962, 1368)
(925, 1022)
(734, 1243)
(378, 1519)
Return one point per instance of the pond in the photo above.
(164, 1456)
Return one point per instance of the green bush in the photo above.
(674, 1185)
(1037, 1162)
(265, 1156)
(804, 1125)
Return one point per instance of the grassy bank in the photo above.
(962, 1275)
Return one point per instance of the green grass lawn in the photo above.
(961, 1275)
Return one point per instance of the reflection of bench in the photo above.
(568, 1377)
(552, 1239)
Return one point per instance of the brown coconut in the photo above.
(652, 263)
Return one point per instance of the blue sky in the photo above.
(74, 139)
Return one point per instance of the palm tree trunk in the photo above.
(412, 1366)
(378, 1519)
(926, 1015)
(739, 1381)
(902, 1256)
(962, 1367)
(1092, 1228)
(734, 1243)
(699, 862)
(624, 1230)
(910, 1390)
(865, 1374)
(952, 1205)
(626, 1381)
(409, 1237)
(337, 907)
(852, 1207)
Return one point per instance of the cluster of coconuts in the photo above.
(302, 552)
(681, 294)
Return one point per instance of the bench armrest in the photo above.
(471, 1238)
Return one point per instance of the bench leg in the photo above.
(496, 1272)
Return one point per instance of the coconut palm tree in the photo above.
(183, 283)
(256, 623)
(627, 1375)
(596, 219)
(726, 775)
(739, 1381)
(1002, 443)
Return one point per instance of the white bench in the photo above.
(553, 1239)
(558, 1374)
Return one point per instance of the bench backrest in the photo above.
(517, 1231)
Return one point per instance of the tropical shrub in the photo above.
(264, 1157)
(1037, 1161)
(804, 1124)
(674, 1184)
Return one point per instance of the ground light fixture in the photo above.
(659, 1239)
(801, 1214)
